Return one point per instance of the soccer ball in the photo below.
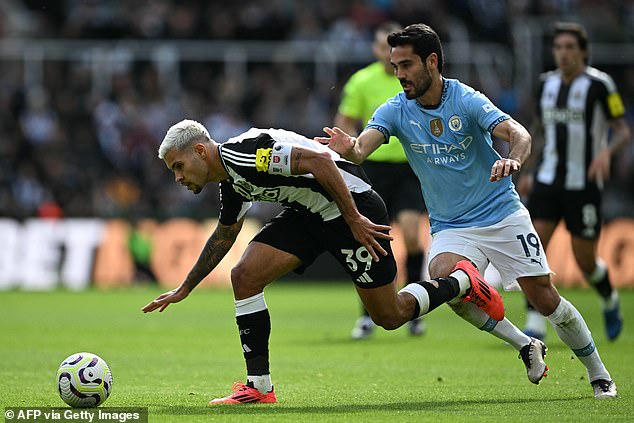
(84, 380)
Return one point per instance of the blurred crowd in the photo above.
(69, 150)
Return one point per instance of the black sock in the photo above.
(414, 266)
(440, 290)
(255, 329)
(604, 287)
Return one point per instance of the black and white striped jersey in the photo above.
(257, 162)
(575, 121)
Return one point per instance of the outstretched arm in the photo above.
(323, 168)
(350, 148)
(216, 247)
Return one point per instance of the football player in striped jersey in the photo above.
(578, 106)
(329, 206)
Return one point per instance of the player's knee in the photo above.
(389, 325)
(243, 278)
(541, 293)
(238, 274)
(387, 322)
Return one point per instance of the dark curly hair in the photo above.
(422, 38)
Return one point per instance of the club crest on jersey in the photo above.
(435, 125)
(455, 124)
(263, 159)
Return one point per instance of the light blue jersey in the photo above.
(449, 147)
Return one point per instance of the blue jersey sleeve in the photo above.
(483, 111)
(383, 120)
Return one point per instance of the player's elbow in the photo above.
(321, 161)
(309, 161)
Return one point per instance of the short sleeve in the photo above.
(485, 113)
(383, 120)
(233, 206)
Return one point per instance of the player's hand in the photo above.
(368, 233)
(503, 168)
(337, 140)
(599, 168)
(162, 301)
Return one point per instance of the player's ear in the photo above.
(432, 61)
(200, 149)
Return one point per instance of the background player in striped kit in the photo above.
(387, 167)
(329, 206)
(577, 107)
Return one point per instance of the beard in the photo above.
(420, 89)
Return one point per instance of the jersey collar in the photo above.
(443, 96)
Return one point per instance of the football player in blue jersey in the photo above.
(475, 213)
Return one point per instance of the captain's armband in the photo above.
(281, 159)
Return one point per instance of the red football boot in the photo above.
(481, 293)
(245, 394)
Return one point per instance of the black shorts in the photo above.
(307, 236)
(397, 184)
(581, 210)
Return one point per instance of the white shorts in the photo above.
(511, 245)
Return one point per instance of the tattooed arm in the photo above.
(216, 247)
(213, 252)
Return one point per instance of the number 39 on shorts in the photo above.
(355, 258)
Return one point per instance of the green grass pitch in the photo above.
(175, 361)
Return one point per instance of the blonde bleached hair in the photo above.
(181, 135)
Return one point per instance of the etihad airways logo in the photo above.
(438, 153)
